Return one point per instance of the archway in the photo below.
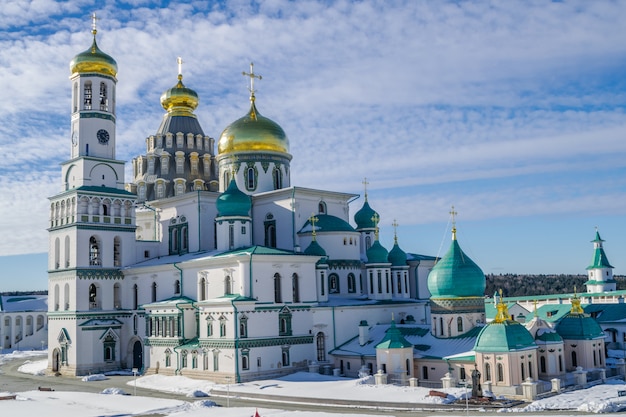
(56, 360)
(137, 355)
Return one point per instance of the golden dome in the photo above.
(255, 133)
(180, 100)
(93, 60)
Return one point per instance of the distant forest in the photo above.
(12, 293)
(520, 285)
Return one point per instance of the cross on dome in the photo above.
(376, 219)
(453, 214)
(94, 30)
(252, 76)
(365, 184)
(313, 219)
(395, 231)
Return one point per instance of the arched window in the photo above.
(560, 363)
(440, 326)
(500, 373)
(117, 296)
(93, 293)
(154, 292)
(459, 324)
(295, 288)
(231, 236)
(117, 251)
(94, 252)
(104, 101)
(250, 179)
(321, 207)
(135, 297)
(277, 293)
(333, 284)
(177, 287)
(368, 242)
(285, 357)
(487, 372)
(542, 364)
(278, 179)
(226, 179)
(425, 372)
(351, 283)
(321, 347)
(270, 231)
(56, 297)
(168, 358)
(228, 285)
(87, 96)
(202, 289)
(245, 362)
(222, 328)
(574, 359)
(530, 369)
(522, 369)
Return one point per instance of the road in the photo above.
(13, 381)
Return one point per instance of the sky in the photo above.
(584, 402)
(512, 112)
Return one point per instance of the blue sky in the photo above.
(513, 112)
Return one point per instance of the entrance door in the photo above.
(56, 360)
(137, 355)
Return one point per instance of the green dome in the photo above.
(233, 202)
(393, 339)
(93, 60)
(327, 223)
(364, 217)
(397, 256)
(503, 336)
(180, 100)
(579, 327)
(456, 275)
(253, 133)
(548, 336)
(314, 248)
(377, 254)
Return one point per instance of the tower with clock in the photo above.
(92, 221)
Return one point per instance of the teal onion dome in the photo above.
(456, 275)
(314, 248)
(93, 60)
(180, 100)
(364, 217)
(397, 257)
(233, 202)
(504, 336)
(577, 325)
(377, 254)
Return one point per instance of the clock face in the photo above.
(74, 137)
(103, 136)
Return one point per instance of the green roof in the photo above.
(504, 336)
(327, 223)
(314, 248)
(256, 250)
(107, 190)
(397, 256)
(456, 275)
(579, 327)
(393, 339)
(233, 202)
(599, 259)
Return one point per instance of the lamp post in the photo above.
(466, 399)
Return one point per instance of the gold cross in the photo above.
(252, 76)
(313, 220)
(179, 61)
(453, 213)
(93, 23)
(376, 219)
(365, 183)
(395, 231)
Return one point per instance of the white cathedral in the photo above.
(209, 263)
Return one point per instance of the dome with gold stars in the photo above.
(93, 60)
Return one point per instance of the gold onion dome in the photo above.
(179, 100)
(254, 133)
(93, 60)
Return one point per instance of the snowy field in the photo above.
(598, 399)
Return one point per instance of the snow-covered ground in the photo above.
(597, 399)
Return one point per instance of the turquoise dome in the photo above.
(548, 336)
(327, 223)
(93, 60)
(363, 217)
(456, 275)
(503, 336)
(377, 254)
(397, 256)
(233, 202)
(314, 248)
(579, 327)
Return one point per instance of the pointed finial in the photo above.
(365, 184)
(503, 312)
(392, 319)
(94, 30)
(535, 303)
(376, 219)
(313, 220)
(453, 213)
(252, 76)
(576, 307)
(395, 231)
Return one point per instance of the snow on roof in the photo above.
(424, 343)
(23, 303)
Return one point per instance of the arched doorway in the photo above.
(137, 355)
(56, 360)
